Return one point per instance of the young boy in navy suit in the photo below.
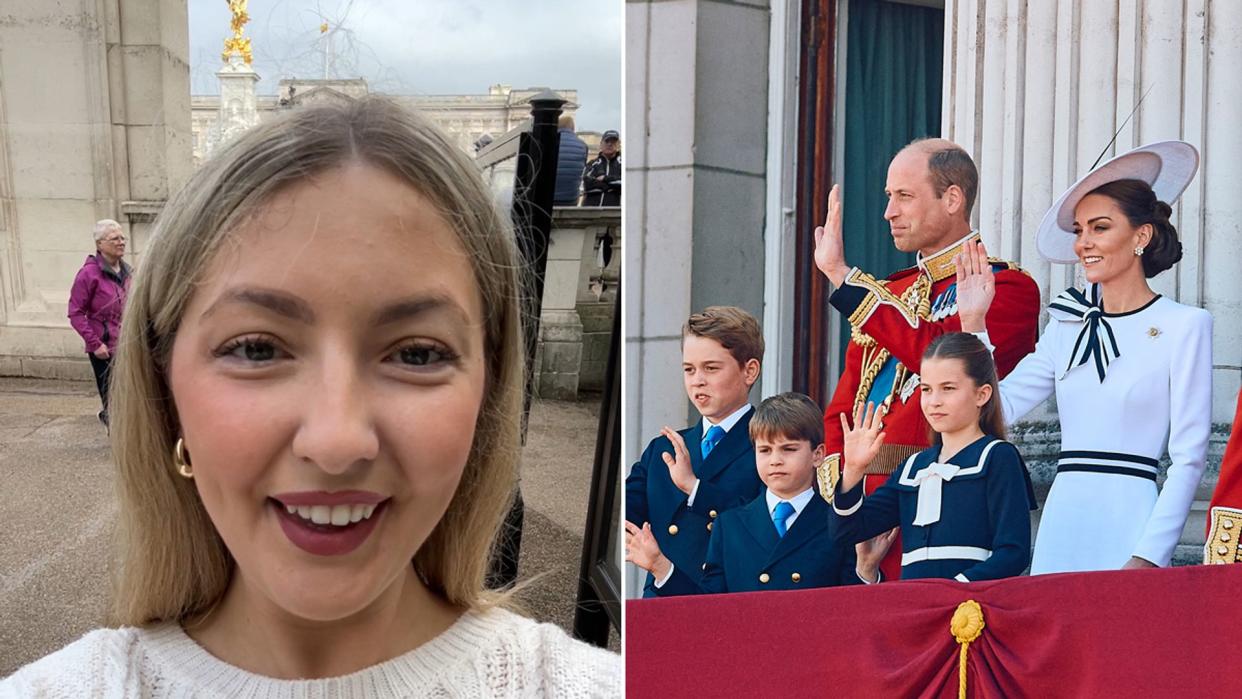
(780, 540)
(686, 479)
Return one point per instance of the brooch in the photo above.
(1153, 332)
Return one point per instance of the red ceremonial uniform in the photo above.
(1225, 511)
(894, 320)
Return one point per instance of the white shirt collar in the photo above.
(727, 423)
(799, 501)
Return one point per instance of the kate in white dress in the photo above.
(1131, 370)
(1103, 508)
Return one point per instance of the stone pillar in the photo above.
(239, 103)
(149, 75)
(559, 355)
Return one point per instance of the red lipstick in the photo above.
(326, 539)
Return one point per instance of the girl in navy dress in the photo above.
(963, 504)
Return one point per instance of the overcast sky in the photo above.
(428, 46)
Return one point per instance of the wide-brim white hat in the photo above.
(1168, 166)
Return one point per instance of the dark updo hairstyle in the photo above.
(1140, 205)
(977, 362)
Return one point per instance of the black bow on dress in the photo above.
(1096, 340)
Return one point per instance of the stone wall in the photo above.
(94, 123)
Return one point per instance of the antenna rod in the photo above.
(1119, 128)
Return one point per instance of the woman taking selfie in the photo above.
(316, 421)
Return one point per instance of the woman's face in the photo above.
(328, 374)
(1105, 240)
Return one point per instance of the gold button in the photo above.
(709, 527)
(1227, 524)
(1222, 550)
(712, 514)
(672, 529)
(764, 578)
(795, 577)
(1224, 536)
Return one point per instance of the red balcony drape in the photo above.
(1171, 632)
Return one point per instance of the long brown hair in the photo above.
(977, 362)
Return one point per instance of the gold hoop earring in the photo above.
(182, 459)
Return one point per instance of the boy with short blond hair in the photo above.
(686, 479)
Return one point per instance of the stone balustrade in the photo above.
(579, 298)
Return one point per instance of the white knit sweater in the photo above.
(494, 653)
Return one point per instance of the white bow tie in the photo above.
(929, 482)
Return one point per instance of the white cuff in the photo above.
(879, 577)
(669, 574)
(693, 491)
(987, 341)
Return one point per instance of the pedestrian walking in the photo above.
(97, 300)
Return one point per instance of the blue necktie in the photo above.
(711, 439)
(780, 515)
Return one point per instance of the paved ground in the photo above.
(57, 511)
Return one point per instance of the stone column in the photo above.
(149, 78)
(559, 355)
(239, 104)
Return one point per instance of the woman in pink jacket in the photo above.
(96, 302)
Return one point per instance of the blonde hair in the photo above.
(172, 563)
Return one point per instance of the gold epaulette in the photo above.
(1009, 264)
(889, 459)
(1222, 539)
(829, 474)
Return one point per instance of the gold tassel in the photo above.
(967, 625)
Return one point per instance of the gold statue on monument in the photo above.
(236, 44)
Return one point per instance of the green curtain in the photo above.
(893, 69)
